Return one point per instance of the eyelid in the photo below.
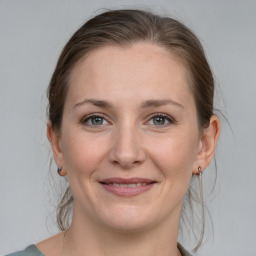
(168, 117)
(88, 117)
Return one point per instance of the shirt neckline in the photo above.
(180, 247)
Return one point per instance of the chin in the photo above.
(129, 226)
(129, 219)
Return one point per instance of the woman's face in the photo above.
(129, 139)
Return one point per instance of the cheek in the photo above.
(174, 157)
(82, 153)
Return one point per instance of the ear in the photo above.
(55, 141)
(207, 144)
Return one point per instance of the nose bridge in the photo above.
(127, 149)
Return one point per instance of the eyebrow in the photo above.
(159, 103)
(146, 104)
(95, 102)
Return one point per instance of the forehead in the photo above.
(137, 71)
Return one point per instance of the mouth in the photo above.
(127, 187)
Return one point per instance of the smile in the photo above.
(127, 187)
(132, 185)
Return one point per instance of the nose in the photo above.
(127, 150)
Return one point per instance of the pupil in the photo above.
(97, 120)
(159, 120)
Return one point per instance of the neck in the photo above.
(85, 237)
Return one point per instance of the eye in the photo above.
(161, 120)
(94, 120)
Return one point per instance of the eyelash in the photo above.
(166, 117)
(91, 116)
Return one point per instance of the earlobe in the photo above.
(54, 139)
(61, 172)
(207, 144)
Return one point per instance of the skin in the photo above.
(128, 142)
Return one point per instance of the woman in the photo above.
(131, 123)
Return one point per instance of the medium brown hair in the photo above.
(124, 28)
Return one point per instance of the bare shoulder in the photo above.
(52, 245)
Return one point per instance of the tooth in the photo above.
(132, 185)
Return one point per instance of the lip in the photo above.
(113, 185)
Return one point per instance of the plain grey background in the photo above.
(32, 34)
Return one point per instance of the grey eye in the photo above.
(97, 120)
(94, 120)
(159, 120)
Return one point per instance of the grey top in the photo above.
(29, 251)
(33, 251)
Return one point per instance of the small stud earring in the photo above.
(59, 171)
(200, 170)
